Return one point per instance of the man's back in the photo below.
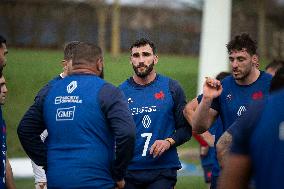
(80, 146)
(267, 145)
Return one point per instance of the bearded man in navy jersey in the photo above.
(90, 129)
(156, 103)
(230, 98)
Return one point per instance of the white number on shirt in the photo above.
(148, 138)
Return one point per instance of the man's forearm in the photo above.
(9, 176)
(223, 147)
(202, 119)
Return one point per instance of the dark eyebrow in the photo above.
(146, 53)
(135, 54)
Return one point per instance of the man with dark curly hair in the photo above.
(230, 98)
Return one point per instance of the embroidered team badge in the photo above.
(160, 95)
(257, 95)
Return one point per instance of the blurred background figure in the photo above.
(273, 66)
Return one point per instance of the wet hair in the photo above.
(242, 42)
(143, 42)
(275, 64)
(222, 75)
(69, 49)
(277, 81)
(86, 53)
(2, 40)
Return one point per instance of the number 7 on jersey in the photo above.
(148, 138)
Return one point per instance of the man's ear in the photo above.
(63, 63)
(100, 64)
(255, 60)
(156, 59)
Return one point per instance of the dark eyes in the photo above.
(239, 59)
(136, 55)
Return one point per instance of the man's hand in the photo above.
(159, 147)
(120, 184)
(212, 88)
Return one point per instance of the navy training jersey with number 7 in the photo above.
(152, 108)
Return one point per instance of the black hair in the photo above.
(275, 64)
(86, 53)
(277, 81)
(242, 42)
(142, 42)
(222, 75)
(2, 40)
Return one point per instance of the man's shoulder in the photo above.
(125, 83)
(265, 76)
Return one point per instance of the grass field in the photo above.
(28, 70)
(182, 183)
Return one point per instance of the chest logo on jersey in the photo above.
(129, 100)
(64, 114)
(229, 97)
(160, 95)
(257, 95)
(241, 110)
(140, 110)
(146, 121)
(67, 99)
(71, 86)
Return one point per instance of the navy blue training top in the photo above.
(157, 109)
(265, 141)
(234, 99)
(108, 105)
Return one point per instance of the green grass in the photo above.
(24, 183)
(185, 182)
(28, 70)
(190, 182)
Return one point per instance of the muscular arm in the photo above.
(9, 176)
(183, 128)
(30, 128)
(115, 108)
(223, 147)
(204, 116)
(189, 110)
(236, 173)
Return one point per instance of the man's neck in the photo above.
(251, 78)
(145, 80)
(83, 69)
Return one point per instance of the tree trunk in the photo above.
(115, 34)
